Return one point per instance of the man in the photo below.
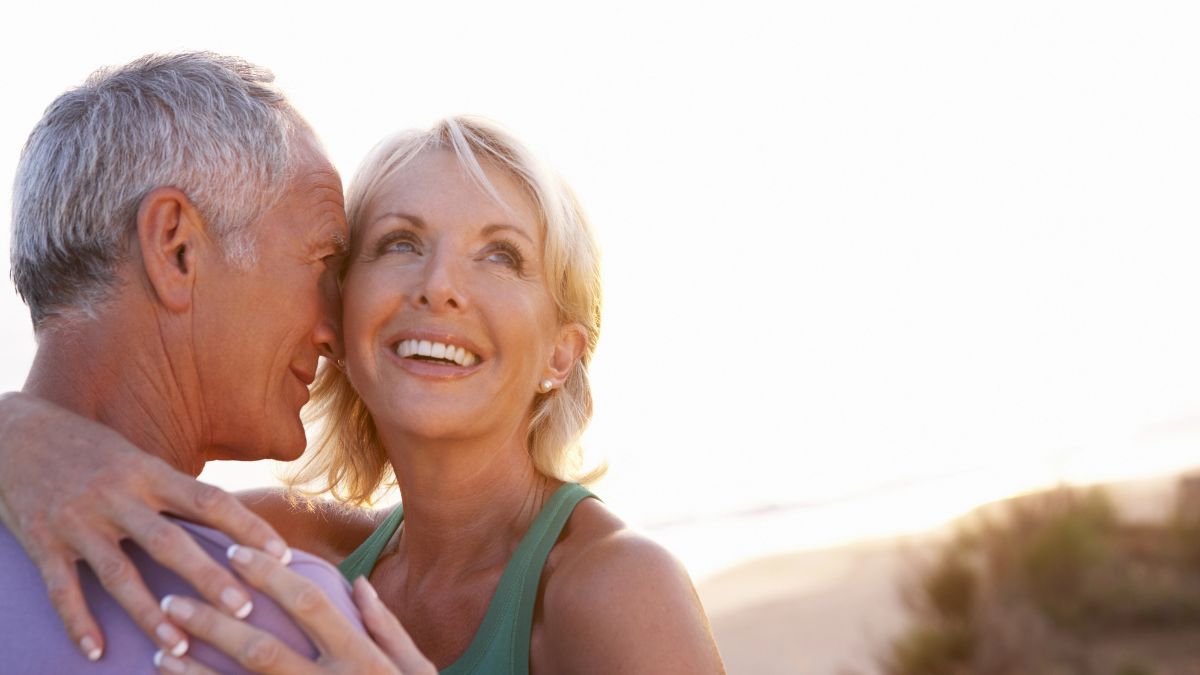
(173, 220)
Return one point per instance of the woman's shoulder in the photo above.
(614, 598)
(328, 529)
(596, 546)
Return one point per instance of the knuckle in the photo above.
(60, 591)
(260, 652)
(113, 571)
(40, 535)
(163, 537)
(202, 622)
(308, 598)
(208, 497)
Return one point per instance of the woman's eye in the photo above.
(505, 254)
(502, 257)
(404, 243)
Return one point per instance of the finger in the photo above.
(254, 649)
(62, 585)
(387, 632)
(212, 506)
(181, 665)
(120, 578)
(300, 597)
(175, 549)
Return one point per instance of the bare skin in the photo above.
(141, 370)
(609, 600)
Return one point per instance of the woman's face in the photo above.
(448, 325)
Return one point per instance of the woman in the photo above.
(470, 312)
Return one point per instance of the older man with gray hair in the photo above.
(173, 222)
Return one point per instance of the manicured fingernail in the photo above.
(368, 588)
(239, 553)
(237, 602)
(164, 661)
(170, 637)
(173, 605)
(279, 549)
(90, 649)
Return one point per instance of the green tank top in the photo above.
(501, 645)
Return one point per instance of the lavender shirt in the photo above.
(32, 639)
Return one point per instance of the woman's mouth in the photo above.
(436, 352)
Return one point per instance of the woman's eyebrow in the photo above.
(416, 221)
(495, 227)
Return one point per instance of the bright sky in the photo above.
(849, 246)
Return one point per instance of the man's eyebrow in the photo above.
(333, 243)
(341, 245)
(496, 227)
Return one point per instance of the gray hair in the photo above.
(213, 126)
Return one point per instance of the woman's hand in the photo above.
(343, 648)
(72, 489)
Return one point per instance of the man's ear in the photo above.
(568, 349)
(170, 232)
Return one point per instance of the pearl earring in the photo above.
(545, 386)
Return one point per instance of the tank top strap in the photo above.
(501, 645)
(559, 511)
(363, 559)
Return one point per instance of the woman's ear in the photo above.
(170, 231)
(568, 349)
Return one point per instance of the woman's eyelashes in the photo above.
(401, 241)
(505, 253)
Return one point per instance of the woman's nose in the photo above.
(441, 285)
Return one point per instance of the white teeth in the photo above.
(436, 350)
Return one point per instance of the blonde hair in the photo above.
(347, 457)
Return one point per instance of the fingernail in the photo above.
(172, 638)
(89, 648)
(237, 602)
(279, 549)
(239, 553)
(368, 588)
(173, 605)
(164, 661)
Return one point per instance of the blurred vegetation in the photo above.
(1056, 584)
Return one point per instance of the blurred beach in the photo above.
(834, 610)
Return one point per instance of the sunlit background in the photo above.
(867, 264)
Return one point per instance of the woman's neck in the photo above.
(467, 503)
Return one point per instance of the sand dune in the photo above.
(823, 612)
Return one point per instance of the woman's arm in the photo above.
(72, 489)
(623, 604)
(388, 649)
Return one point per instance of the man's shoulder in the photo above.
(217, 543)
(32, 638)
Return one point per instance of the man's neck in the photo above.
(96, 373)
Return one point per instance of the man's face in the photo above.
(259, 331)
